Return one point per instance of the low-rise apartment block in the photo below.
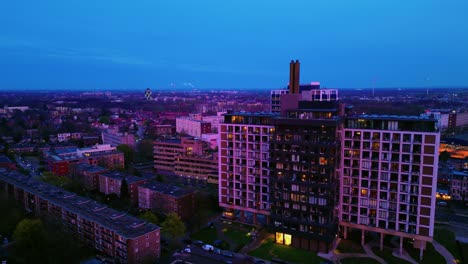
(167, 198)
(122, 237)
(111, 182)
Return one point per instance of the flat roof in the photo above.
(167, 189)
(4, 159)
(121, 223)
(392, 117)
(120, 176)
(91, 168)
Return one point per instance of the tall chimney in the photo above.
(294, 68)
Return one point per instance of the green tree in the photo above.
(150, 217)
(30, 238)
(124, 189)
(444, 156)
(53, 179)
(104, 119)
(128, 152)
(11, 214)
(173, 226)
(145, 148)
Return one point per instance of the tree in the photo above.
(128, 153)
(145, 148)
(444, 156)
(124, 189)
(53, 179)
(150, 217)
(173, 226)
(30, 238)
(104, 119)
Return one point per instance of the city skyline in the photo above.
(206, 45)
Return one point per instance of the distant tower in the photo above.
(148, 95)
(294, 68)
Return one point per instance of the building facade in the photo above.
(389, 166)
(305, 154)
(111, 183)
(192, 127)
(167, 198)
(244, 165)
(124, 238)
(459, 186)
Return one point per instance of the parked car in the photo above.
(198, 242)
(208, 247)
(442, 203)
(188, 250)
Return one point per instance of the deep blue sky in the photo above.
(122, 44)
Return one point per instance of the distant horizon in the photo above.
(182, 89)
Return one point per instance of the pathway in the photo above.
(444, 252)
(396, 251)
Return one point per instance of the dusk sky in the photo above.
(105, 45)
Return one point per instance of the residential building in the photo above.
(6, 163)
(459, 186)
(59, 160)
(166, 151)
(124, 238)
(113, 137)
(244, 162)
(192, 127)
(167, 198)
(389, 176)
(199, 167)
(88, 175)
(111, 182)
(304, 177)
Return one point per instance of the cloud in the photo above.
(220, 69)
(44, 49)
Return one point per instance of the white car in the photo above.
(187, 250)
(208, 247)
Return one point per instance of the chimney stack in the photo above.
(294, 68)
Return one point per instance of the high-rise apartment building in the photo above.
(304, 175)
(244, 165)
(389, 180)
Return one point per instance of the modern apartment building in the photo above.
(244, 165)
(186, 157)
(196, 167)
(167, 198)
(304, 177)
(124, 238)
(389, 166)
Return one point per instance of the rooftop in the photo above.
(167, 189)
(392, 117)
(120, 176)
(90, 168)
(121, 223)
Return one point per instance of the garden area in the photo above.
(430, 255)
(447, 239)
(359, 261)
(233, 237)
(387, 255)
(269, 250)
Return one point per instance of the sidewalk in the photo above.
(444, 252)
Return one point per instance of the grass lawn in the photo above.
(464, 250)
(447, 239)
(269, 249)
(430, 255)
(207, 235)
(349, 246)
(239, 237)
(359, 261)
(386, 254)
